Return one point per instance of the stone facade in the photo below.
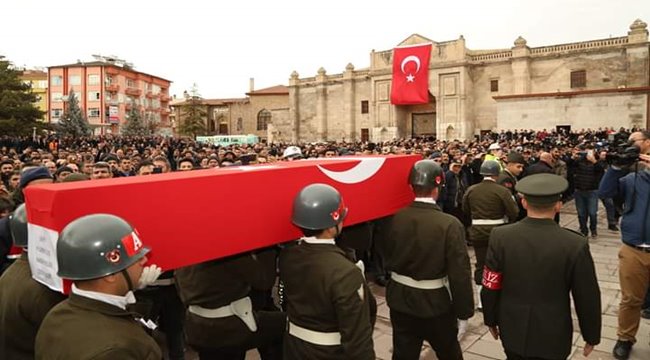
(584, 85)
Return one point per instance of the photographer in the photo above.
(633, 185)
(587, 172)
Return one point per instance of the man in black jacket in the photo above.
(587, 172)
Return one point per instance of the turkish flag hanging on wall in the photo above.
(410, 75)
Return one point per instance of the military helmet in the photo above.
(97, 245)
(490, 168)
(426, 173)
(18, 226)
(292, 152)
(318, 207)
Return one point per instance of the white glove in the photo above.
(361, 267)
(462, 328)
(149, 275)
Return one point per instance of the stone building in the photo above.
(587, 84)
(253, 114)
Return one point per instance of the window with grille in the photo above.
(494, 85)
(364, 106)
(263, 118)
(578, 79)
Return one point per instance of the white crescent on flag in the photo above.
(410, 58)
(364, 170)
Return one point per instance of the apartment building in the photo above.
(37, 79)
(107, 89)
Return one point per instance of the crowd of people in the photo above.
(470, 187)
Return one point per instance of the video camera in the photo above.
(621, 152)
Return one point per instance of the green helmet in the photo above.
(318, 207)
(18, 226)
(426, 173)
(490, 168)
(97, 245)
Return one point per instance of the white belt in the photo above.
(419, 284)
(242, 308)
(489, 221)
(315, 337)
(163, 282)
(13, 256)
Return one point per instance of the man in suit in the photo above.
(532, 269)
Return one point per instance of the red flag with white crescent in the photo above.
(410, 75)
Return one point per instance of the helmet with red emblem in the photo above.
(426, 174)
(97, 245)
(318, 207)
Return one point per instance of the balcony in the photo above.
(165, 98)
(165, 111)
(149, 94)
(133, 91)
(113, 88)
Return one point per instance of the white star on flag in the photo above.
(410, 78)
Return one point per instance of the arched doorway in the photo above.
(423, 119)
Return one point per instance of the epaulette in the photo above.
(574, 231)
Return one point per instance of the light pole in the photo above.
(34, 133)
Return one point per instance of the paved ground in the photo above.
(478, 343)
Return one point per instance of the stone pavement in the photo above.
(478, 344)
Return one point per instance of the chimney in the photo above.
(251, 84)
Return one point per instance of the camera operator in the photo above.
(633, 185)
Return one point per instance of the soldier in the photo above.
(489, 205)
(220, 322)
(509, 176)
(329, 303)
(104, 257)
(24, 302)
(430, 287)
(531, 269)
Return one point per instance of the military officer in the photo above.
(104, 257)
(330, 306)
(489, 205)
(430, 287)
(220, 321)
(532, 269)
(24, 302)
(509, 175)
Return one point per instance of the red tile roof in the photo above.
(273, 90)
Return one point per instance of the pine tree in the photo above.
(194, 115)
(135, 125)
(73, 122)
(18, 114)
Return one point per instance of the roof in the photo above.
(273, 90)
(212, 102)
(105, 64)
(33, 75)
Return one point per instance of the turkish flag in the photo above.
(410, 75)
(191, 217)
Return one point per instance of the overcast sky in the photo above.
(219, 45)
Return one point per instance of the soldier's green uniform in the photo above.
(208, 289)
(331, 310)
(327, 293)
(94, 322)
(430, 286)
(84, 328)
(490, 205)
(531, 269)
(24, 302)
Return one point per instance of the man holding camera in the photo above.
(632, 183)
(587, 172)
